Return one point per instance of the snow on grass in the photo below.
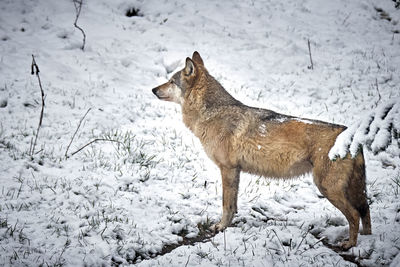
(152, 187)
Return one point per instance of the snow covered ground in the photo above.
(131, 200)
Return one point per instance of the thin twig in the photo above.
(97, 140)
(35, 71)
(79, 125)
(78, 8)
(309, 51)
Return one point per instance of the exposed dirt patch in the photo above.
(133, 12)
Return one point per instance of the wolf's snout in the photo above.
(154, 90)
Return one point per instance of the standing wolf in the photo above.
(262, 142)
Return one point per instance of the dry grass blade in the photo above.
(73, 136)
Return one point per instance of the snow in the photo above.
(262, 128)
(377, 130)
(124, 202)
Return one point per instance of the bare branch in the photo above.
(78, 8)
(35, 71)
(79, 125)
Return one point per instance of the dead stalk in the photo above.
(309, 51)
(35, 71)
(78, 8)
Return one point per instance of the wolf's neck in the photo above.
(208, 96)
(216, 95)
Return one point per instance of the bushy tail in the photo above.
(357, 188)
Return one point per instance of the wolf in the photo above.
(259, 141)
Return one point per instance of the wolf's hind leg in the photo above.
(334, 190)
(353, 218)
(230, 187)
(352, 215)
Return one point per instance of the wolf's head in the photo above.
(181, 83)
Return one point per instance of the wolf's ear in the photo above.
(197, 58)
(189, 68)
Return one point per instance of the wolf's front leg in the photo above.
(230, 187)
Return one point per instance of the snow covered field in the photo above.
(138, 198)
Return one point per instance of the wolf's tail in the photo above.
(358, 197)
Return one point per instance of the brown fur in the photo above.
(259, 141)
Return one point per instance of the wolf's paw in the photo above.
(218, 227)
(346, 245)
(366, 231)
